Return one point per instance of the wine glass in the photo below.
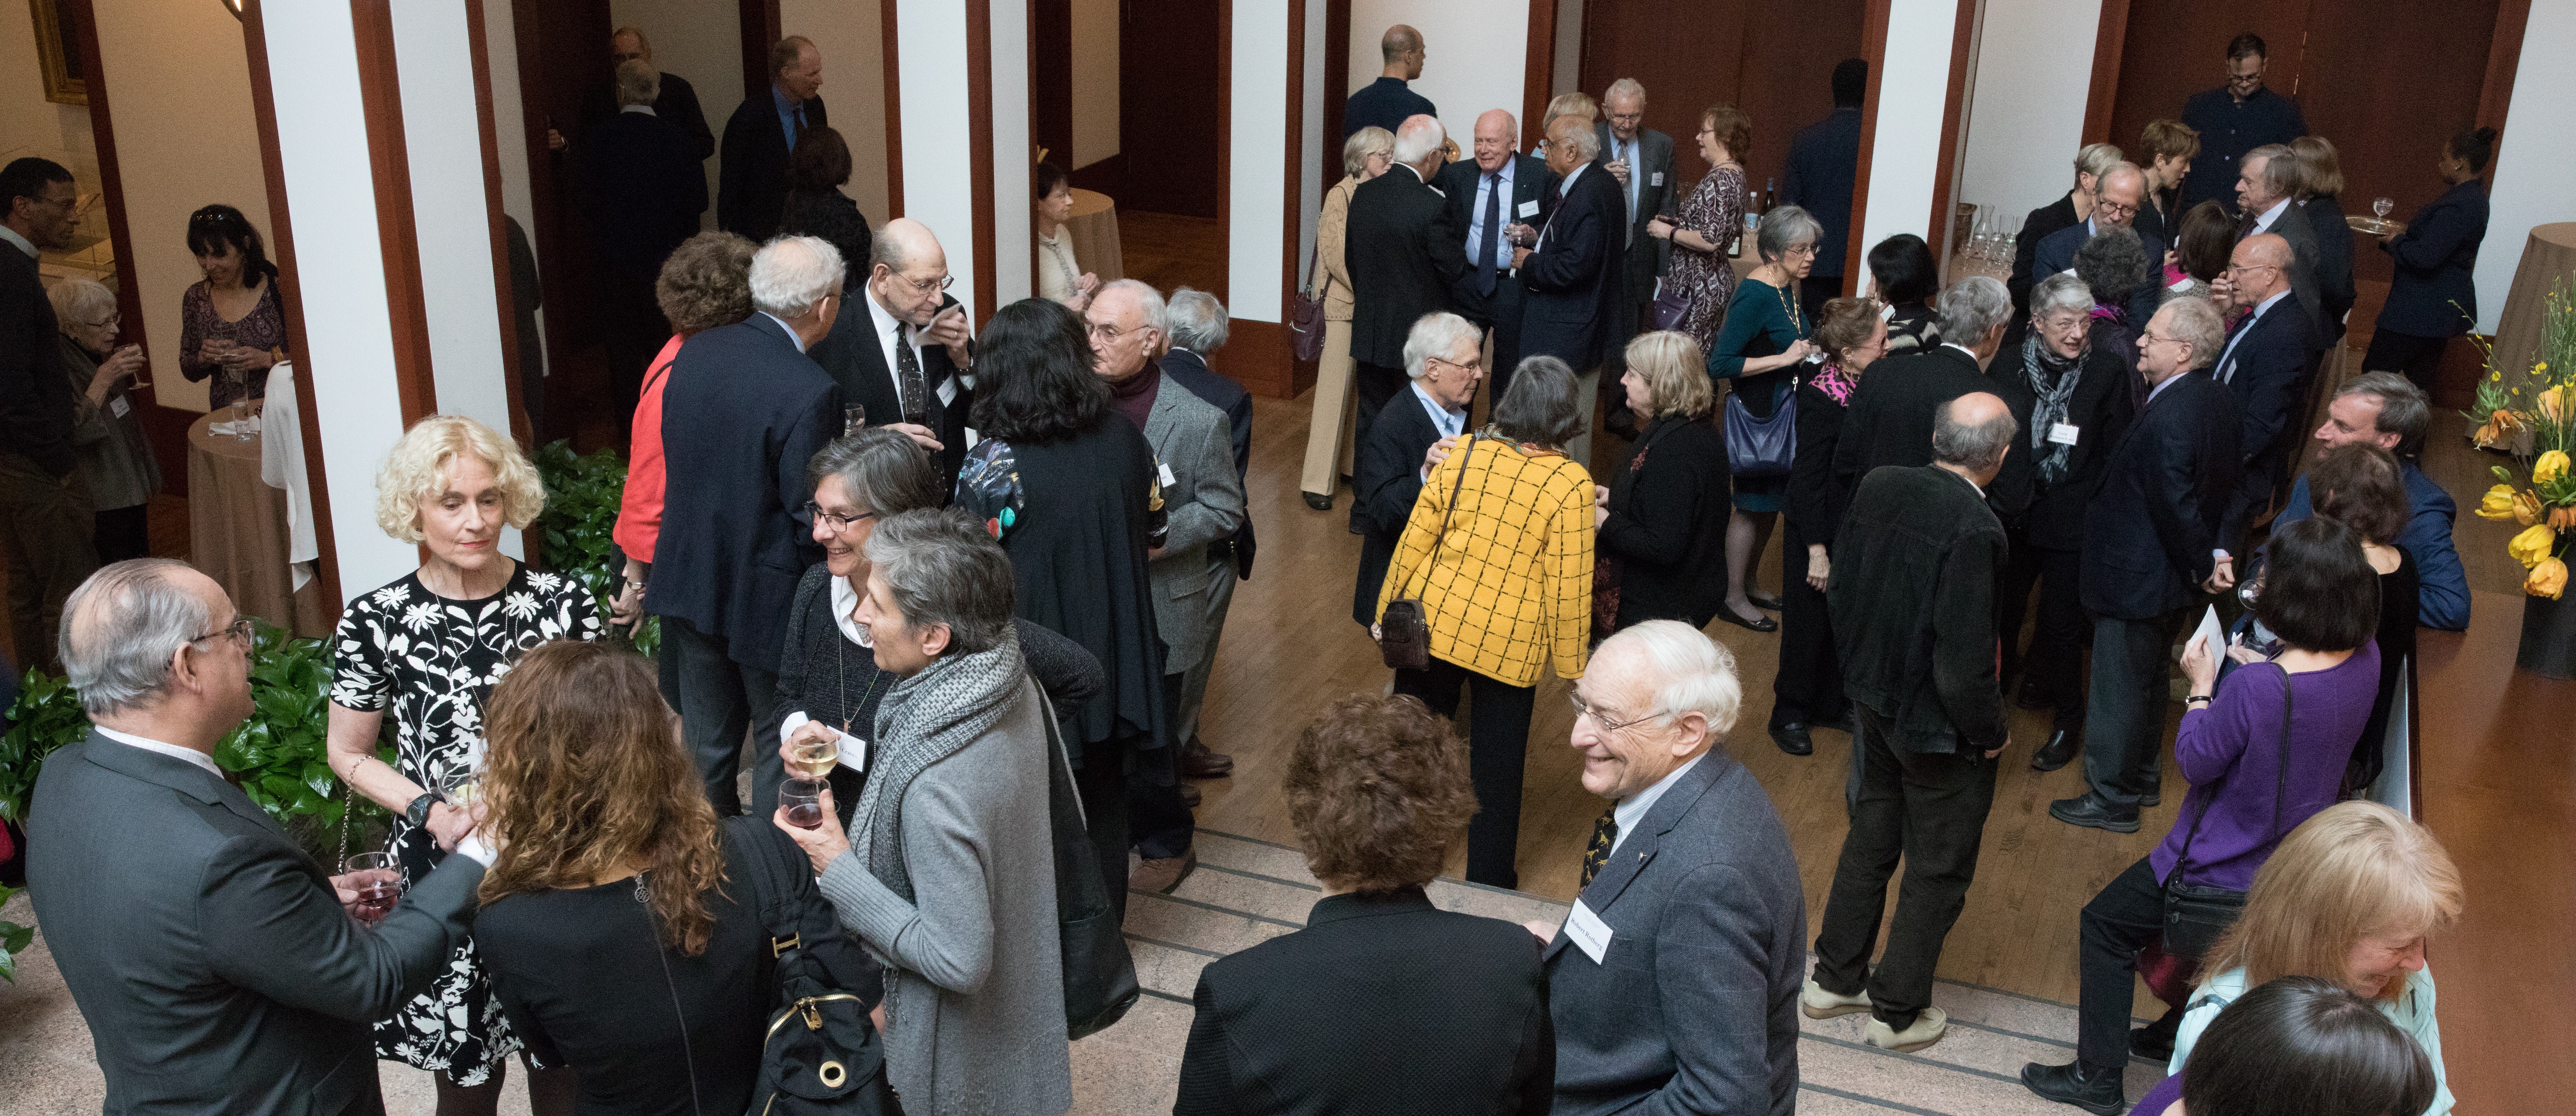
(853, 419)
(382, 887)
(803, 801)
(2379, 207)
(461, 786)
(813, 758)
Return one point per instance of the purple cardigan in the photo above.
(2232, 748)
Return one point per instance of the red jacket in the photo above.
(639, 512)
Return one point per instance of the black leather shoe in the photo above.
(2060, 749)
(2151, 798)
(1322, 502)
(1792, 738)
(2090, 811)
(2096, 1091)
(1764, 601)
(1765, 624)
(2030, 695)
(2153, 1041)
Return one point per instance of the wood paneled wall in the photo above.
(1773, 59)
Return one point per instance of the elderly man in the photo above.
(1573, 268)
(1674, 982)
(752, 189)
(2384, 409)
(1641, 159)
(2117, 196)
(2235, 119)
(2266, 197)
(218, 968)
(1202, 504)
(1922, 679)
(743, 412)
(1389, 101)
(1891, 417)
(1444, 362)
(646, 193)
(676, 101)
(2265, 368)
(1497, 200)
(904, 357)
(1824, 161)
(1403, 256)
(46, 539)
(1199, 328)
(2150, 553)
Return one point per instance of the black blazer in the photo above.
(855, 359)
(35, 397)
(214, 964)
(1824, 166)
(1403, 256)
(742, 415)
(1382, 1003)
(1642, 256)
(1890, 419)
(1574, 276)
(1912, 600)
(1532, 183)
(2052, 515)
(2267, 376)
(2294, 226)
(677, 105)
(2059, 214)
(1190, 370)
(645, 192)
(1386, 476)
(751, 185)
(1816, 500)
(1668, 523)
(2149, 530)
(831, 214)
(2436, 258)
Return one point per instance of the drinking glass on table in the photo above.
(380, 884)
(803, 801)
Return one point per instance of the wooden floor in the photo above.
(1169, 251)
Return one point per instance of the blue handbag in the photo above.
(1762, 447)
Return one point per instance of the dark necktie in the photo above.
(1628, 155)
(1485, 245)
(2245, 228)
(908, 381)
(1605, 833)
(797, 132)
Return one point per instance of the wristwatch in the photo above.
(418, 812)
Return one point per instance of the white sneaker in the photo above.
(1820, 1004)
(1927, 1029)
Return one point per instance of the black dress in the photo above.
(831, 215)
(2399, 593)
(1808, 687)
(1667, 525)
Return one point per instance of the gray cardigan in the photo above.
(975, 987)
(114, 457)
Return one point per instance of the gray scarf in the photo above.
(924, 719)
(2039, 365)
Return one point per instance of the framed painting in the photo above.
(58, 53)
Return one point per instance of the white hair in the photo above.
(81, 301)
(792, 273)
(1418, 137)
(1150, 301)
(1199, 321)
(1434, 335)
(1624, 87)
(2060, 292)
(117, 650)
(1970, 307)
(1696, 673)
(1584, 140)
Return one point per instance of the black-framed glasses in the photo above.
(2117, 208)
(1584, 709)
(239, 629)
(834, 520)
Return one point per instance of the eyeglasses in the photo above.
(928, 286)
(2255, 78)
(117, 318)
(1470, 366)
(834, 520)
(2066, 323)
(1109, 334)
(2116, 209)
(1584, 709)
(2233, 269)
(239, 629)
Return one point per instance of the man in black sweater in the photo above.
(1915, 566)
(1891, 416)
(45, 515)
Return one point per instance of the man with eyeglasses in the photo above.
(1640, 159)
(2118, 194)
(46, 528)
(2265, 368)
(903, 353)
(2234, 119)
(2266, 193)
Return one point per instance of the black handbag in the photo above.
(1762, 447)
(1404, 628)
(820, 1054)
(2196, 916)
(1306, 312)
(1099, 974)
(1672, 305)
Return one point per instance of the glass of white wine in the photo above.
(461, 786)
(813, 757)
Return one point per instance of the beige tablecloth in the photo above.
(237, 532)
(1094, 232)
(2548, 257)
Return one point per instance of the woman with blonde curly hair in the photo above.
(429, 647)
(619, 906)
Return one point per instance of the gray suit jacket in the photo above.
(1647, 256)
(214, 964)
(2292, 225)
(1203, 503)
(1694, 1006)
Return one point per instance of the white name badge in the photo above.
(1655, 179)
(1166, 471)
(119, 407)
(2063, 433)
(1588, 932)
(1528, 208)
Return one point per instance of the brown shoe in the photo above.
(1161, 876)
(1190, 796)
(1198, 762)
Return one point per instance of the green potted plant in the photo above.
(583, 493)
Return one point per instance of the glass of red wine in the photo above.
(382, 886)
(803, 801)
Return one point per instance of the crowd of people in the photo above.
(957, 585)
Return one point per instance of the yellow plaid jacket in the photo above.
(1509, 590)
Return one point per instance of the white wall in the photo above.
(501, 48)
(1475, 53)
(1258, 163)
(1905, 161)
(1567, 70)
(1013, 247)
(2535, 154)
(443, 141)
(700, 40)
(1095, 83)
(1313, 151)
(2027, 110)
(851, 36)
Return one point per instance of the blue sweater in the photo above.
(2445, 592)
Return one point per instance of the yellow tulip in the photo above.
(2551, 404)
(2497, 503)
(2526, 509)
(2548, 579)
(2550, 466)
(2533, 545)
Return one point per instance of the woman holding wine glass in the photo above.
(107, 433)
(429, 648)
(2433, 296)
(231, 324)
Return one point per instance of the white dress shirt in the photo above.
(645, 109)
(884, 324)
(2264, 222)
(1632, 809)
(24, 245)
(792, 335)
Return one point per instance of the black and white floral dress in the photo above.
(433, 661)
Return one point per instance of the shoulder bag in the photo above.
(2196, 915)
(1306, 313)
(1099, 974)
(1762, 447)
(1404, 629)
(820, 1054)
(1672, 304)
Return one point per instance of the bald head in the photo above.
(1418, 142)
(1401, 47)
(1497, 138)
(1971, 435)
(2260, 267)
(907, 271)
(2121, 191)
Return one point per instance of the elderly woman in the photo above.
(706, 283)
(2320, 180)
(2165, 149)
(1665, 532)
(597, 811)
(1377, 788)
(2092, 161)
(1807, 690)
(2362, 487)
(1499, 551)
(1060, 276)
(2263, 754)
(429, 647)
(2113, 265)
(947, 871)
(815, 205)
(2433, 294)
(114, 459)
(231, 325)
(1444, 357)
(1366, 155)
(1902, 279)
(2073, 400)
(1709, 225)
(1762, 344)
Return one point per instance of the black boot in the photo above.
(2094, 1090)
(2059, 751)
(2156, 1040)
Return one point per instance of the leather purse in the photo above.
(1762, 447)
(1306, 313)
(1672, 305)
(820, 1053)
(1404, 628)
(1099, 974)
(2196, 916)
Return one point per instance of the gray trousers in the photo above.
(1194, 683)
(721, 699)
(2124, 715)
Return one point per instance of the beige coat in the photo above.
(1329, 233)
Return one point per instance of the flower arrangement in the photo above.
(2545, 502)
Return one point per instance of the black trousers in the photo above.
(720, 699)
(1808, 687)
(121, 533)
(1100, 778)
(1497, 749)
(2055, 661)
(2128, 914)
(2125, 710)
(1375, 384)
(47, 545)
(1930, 809)
(1157, 818)
(2417, 357)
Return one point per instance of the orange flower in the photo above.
(2526, 508)
(2548, 579)
(2562, 517)
(2553, 403)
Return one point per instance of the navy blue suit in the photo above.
(1532, 183)
(1824, 158)
(2265, 369)
(1386, 477)
(751, 183)
(645, 192)
(1190, 370)
(2435, 258)
(1386, 103)
(1574, 275)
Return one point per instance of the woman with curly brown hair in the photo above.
(1452, 1007)
(620, 922)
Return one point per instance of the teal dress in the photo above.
(1761, 320)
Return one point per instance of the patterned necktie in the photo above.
(908, 381)
(1486, 244)
(1597, 853)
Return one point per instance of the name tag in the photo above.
(947, 391)
(1527, 209)
(1166, 473)
(119, 407)
(2062, 433)
(1655, 179)
(1588, 933)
